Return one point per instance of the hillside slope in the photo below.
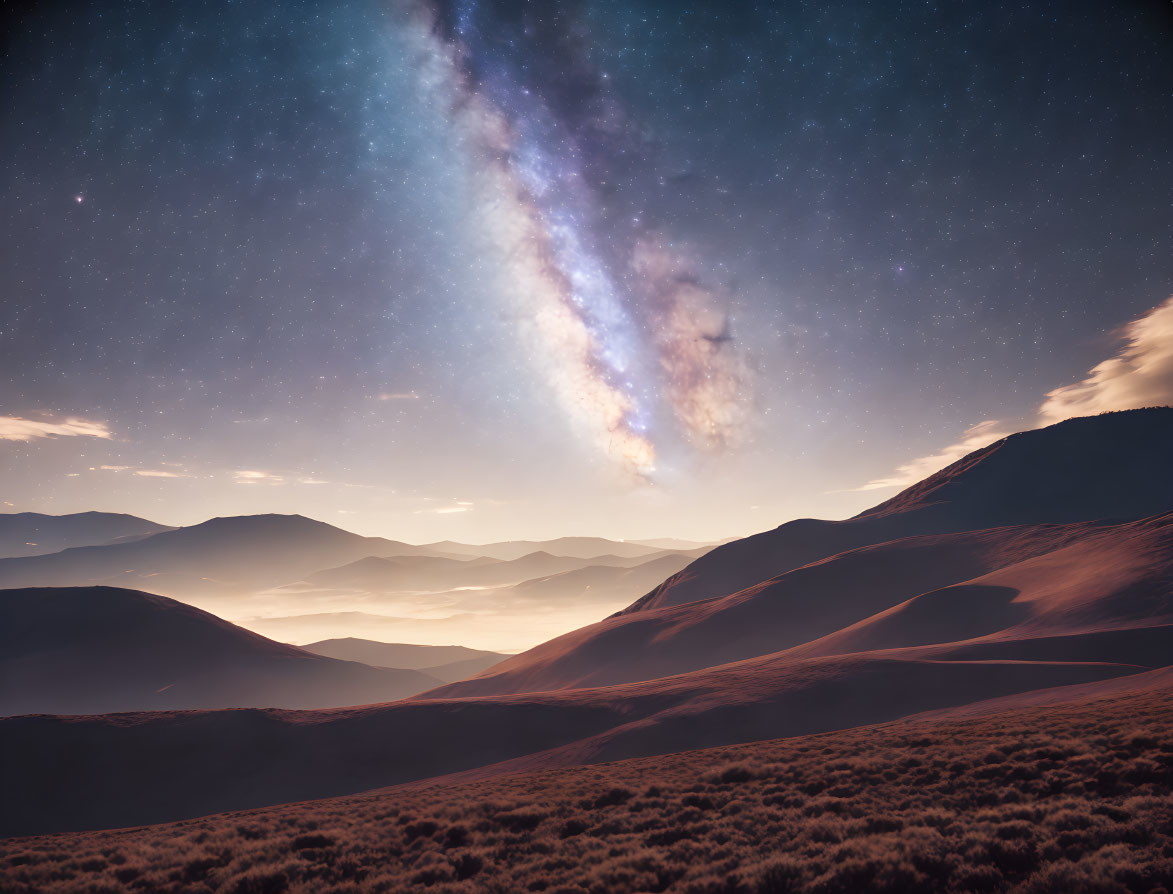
(119, 769)
(1072, 797)
(1112, 466)
(1032, 581)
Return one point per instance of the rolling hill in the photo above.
(446, 663)
(90, 650)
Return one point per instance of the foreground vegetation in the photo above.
(1063, 799)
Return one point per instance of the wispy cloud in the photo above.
(1140, 375)
(255, 476)
(975, 438)
(398, 395)
(176, 472)
(15, 428)
(451, 508)
(258, 476)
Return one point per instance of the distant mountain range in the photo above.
(1043, 562)
(599, 581)
(222, 553)
(34, 534)
(221, 561)
(437, 574)
(574, 547)
(296, 579)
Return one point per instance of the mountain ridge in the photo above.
(37, 533)
(1128, 444)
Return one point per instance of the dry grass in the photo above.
(1070, 799)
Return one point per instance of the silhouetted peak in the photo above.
(1114, 465)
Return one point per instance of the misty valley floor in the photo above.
(1072, 798)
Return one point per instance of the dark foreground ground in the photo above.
(1058, 800)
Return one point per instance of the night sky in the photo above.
(493, 268)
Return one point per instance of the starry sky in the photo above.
(485, 269)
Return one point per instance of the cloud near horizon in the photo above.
(454, 507)
(1140, 375)
(15, 428)
(975, 438)
(144, 472)
(255, 476)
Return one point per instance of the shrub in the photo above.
(127, 874)
(456, 836)
(467, 865)
(734, 773)
(781, 877)
(198, 869)
(304, 842)
(520, 820)
(610, 798)
(421, 829)
(261, 882)
(979, 879)
(572, 827)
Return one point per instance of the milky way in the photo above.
(619, 324)
(471, 269)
